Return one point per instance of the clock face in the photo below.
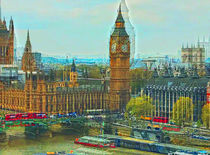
(114, 46)
(125, 48)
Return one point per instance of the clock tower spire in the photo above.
(119, 52)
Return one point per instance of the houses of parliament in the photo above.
(40, 94)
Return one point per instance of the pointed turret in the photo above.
(7, 41)
(119, 25)
(3, 25)
(4, 22)
(11, 26)
(28, 61)
(120, 18)
(73, 75)
(28, 43)
(73, 66)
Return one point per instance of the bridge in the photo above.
(36, 127)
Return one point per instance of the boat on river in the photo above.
(151, 146)
(95, 142)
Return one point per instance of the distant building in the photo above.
(8, 73)
(38, 58)
(194, 57)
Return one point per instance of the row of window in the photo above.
(4, 51)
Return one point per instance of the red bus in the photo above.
(172, 128)
(160, 119)
(10, 117)
(40, 116)
(208, 93)
(25, 116)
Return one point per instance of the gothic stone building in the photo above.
(38, 94)
(6, 43)
(194, 57)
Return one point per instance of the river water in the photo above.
(18, 144)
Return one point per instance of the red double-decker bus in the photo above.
(208, 93)
(161, 119)
(25, 116)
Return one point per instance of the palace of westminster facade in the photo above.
(38, 94)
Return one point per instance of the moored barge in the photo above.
(94, 142)
(150, 146)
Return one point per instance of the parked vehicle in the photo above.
(161, 119)
(147, 118)
(25, 116)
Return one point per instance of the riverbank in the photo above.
(19, 144)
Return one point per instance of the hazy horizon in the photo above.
(82, 28)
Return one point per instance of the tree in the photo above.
(206, 115)
(94, 72)
(139, 106)
(183, 110)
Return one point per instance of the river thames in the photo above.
(18, 144)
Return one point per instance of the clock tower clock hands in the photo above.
(124, 48)
(114, 47)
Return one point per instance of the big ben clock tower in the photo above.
(119, 51)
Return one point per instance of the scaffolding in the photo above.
(206, 44)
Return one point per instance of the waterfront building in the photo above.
(42, 93)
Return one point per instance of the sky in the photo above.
(81, 28)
